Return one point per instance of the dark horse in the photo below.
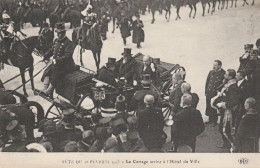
(157, 5)
(191, 3)
(21, 57)
(93, 42)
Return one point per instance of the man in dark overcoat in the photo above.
(246, 137)
(126, 67)
(124, 25)
(248, 49)
(214, 80)
(186, 88)
(188, 124)
(107, 73)
(150, 125)
(138, 32)
(62, 63)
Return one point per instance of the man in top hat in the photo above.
(7, 34)
(107, 73)
(62, 63)
(126, 67)
(137, 100)
(150, 124)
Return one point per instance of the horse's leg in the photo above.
(190, 10)
(218, 4)
(203, 9)
(95, 58)
(227, 4)
(31, 76)
(253, 3)
(209, 7)
(195, 10)
(178, 11)
(166, 12)
(232, 1)
(23, 81)
(81, 61)
(153, 12)
(235, 3)
(169, 14)
(114, 24)
(213, 6)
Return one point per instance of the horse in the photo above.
(204, 3)
(21, 57)
(93, 42)
(113, 10)
(73, 16)
(245, 2)
(190, 3)
(159, 6)
(24, 115)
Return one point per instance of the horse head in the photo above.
(45, 40)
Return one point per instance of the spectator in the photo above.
(87, 141)
(186, 88)
(188, 124)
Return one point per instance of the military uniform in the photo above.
(7, 33)
(62, 52)
(214, 80)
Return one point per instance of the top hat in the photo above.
(146, 80)
(249, 46)
(257, 43)
(127, 52)
(111, 61)
(156, 61)
(60, 27)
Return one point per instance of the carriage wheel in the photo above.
(37, 110)
(54, 113)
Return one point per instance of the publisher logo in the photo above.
(243, 161)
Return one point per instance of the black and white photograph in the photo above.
(162, 77)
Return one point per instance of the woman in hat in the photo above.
(124, 25)
(138, 32)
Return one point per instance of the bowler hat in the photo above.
(249, 46)
(49, 130)
(127, 52)
(12, 125)
(68, 112)
(60, 27)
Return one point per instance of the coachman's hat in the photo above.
(127, 52)
(146, 79)
(120, 103)
(60, 27)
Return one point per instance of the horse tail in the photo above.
(40, 111)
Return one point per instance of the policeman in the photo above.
(62, 63)
(7, 33)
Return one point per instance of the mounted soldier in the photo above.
(62, 62)
(7, 34)
(89, 21)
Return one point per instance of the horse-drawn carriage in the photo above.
(82, 91)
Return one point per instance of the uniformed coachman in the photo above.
(62, 62)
